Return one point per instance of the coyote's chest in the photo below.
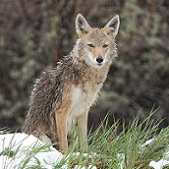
(83, 97)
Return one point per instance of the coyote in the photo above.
(62, 97)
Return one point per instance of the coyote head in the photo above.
(96, 46)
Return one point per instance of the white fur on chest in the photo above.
(82, 99)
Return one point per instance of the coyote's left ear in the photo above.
(82, 26)
(112, 27)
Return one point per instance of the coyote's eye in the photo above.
(90, 45)
(105, 46)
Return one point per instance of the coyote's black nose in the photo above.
(99, 59)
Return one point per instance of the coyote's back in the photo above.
(63, 96)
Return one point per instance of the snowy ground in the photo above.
(18, 151)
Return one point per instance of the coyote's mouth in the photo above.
(100, 64)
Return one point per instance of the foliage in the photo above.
(35, 34)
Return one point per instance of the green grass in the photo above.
(113, 149)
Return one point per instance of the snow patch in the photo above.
(159, 164)
(20, 150)
(17, 150)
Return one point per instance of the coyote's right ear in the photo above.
(82, 26)
(112, 27)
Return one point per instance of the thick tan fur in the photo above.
(63, 96)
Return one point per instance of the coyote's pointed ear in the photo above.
(112, 26)
(82, 27)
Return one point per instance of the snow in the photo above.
(121, 157)
(20, 146)
(159, 164)
(18, 150)
(143, 146)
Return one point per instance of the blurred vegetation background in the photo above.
(35, 34)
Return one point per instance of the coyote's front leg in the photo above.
(82, 123)
(61, 124)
